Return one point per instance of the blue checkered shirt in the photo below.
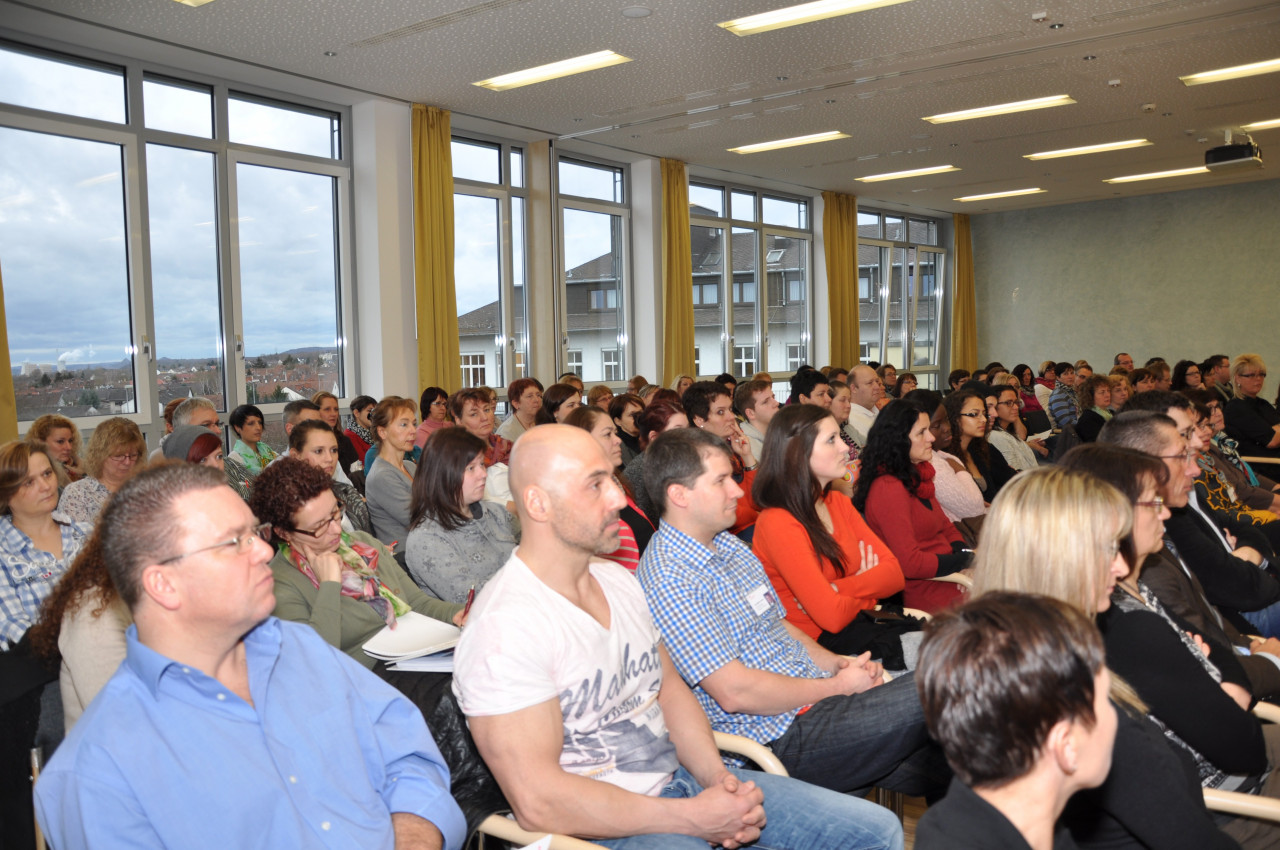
(699, 599)
(31, 573)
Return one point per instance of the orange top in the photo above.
(803, 580)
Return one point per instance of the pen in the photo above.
(471, 597)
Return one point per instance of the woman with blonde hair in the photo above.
(116, 451)
(61, 436)
(329, 414)
(1067, 534)
(1252, 421)
(388, 483)
(682, 383)
(1121, 390)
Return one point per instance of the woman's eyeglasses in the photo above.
(321, 528)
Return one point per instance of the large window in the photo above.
(152, 253)
(738, 237)
(594, 256)
(489, 260)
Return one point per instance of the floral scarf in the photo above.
(1231, 451)
(359, 577)
(361, 431)
(1103, 412)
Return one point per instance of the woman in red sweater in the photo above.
(823, 561)
(895, 494)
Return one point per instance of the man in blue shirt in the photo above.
(225, 727)
(832, 720)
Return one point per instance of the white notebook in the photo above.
(414, 635)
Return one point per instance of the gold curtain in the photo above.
(438, 361)
(840, 241)
(8, 403)
(964, 304)
(677, 274)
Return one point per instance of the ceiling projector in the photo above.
(1233, 156)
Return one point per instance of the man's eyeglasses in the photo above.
(242, 542)
(322, 527)
(1187, 456)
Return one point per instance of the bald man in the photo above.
(865, 389)
(576, 708)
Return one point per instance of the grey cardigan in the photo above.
(388, 494)
(449, 563)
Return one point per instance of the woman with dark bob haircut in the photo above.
(434, 407)
(558, 402)
(347, 586)
(250, 451)
(650, 422)
(824, 562)
(895, 493)
(456, 539)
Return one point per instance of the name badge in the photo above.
(761, 599)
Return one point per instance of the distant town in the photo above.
(107, 389)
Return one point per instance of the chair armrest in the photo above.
(956, 578)
(917, 613)
(758, 753)
(1246, 805)
(1267, 712)
(1252, 461)
(507, 829)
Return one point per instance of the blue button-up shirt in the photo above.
(166, 756)
(714, 606)
(30, 573)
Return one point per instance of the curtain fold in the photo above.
(8, 402)
(964, 304)
(840, 247)
(439, 363)
(677, 274)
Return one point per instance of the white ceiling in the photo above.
(694, 89)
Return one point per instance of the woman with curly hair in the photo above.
(62, 438)
(345, 585)
(1093, 397)
(83, 621)
(116, 451)
(895, 493)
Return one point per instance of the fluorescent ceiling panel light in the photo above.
(802, 14)
(900, 175)
(1109, 146)
(1268, 67)
(995, 195)
(1001, 109)
(758, 147)
(563, 68)
(1261, 125)
(1156, 175)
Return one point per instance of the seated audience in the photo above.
(841, 406)
(524, 396)
(573, 380)
(1186, 376)
(1215, 486)
(327, 404)
(623, 411)
(206, 663)
(895, 493)
(953, 485)
(865, 391)
(1045, 385)
(470, 410)
(1063, 408)
(955, 380)
(116, 451)
(709, 407)
(61, 436)
(681, 383)
(1121, 391)
(728, 381)
(888, 376)
(1015, 689)
(650, 422)
(456, 539)
(1215, 372)
(558, 402)
(1093, 399)
(811, 387)
(823, 561)
(1163, 375)
(554, 618)
(1027, 388)
(169, 410)
(358, 428)
(752, 675)
(756, 405)
(193, 444)
(635, 528)
(599, 396)
(1251, 420)
(661, 394)
(907, 382)
(250, 450)
(434, 405)
(1124, 361)
(1256, 491)
(967, 412)
(758, 376)
(388, 483)
(1008, 433)
(313, 441)
(1090, 533)
(347, 586)
(1143, 380)
(634, 386)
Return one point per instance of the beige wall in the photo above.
(1181, 274)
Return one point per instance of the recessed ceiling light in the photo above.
(802, 14)
(637, 12)
(1261, 125)
(329, 53)
(1157, 175)
(1268, 67)
(1090, 58)
(194, 3)
(900, 175)
(1056, 26)
(830, 135)
(1001, 109)
(1109, 146)
(993, 195)
(554, 70)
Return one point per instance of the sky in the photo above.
(62, 226)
